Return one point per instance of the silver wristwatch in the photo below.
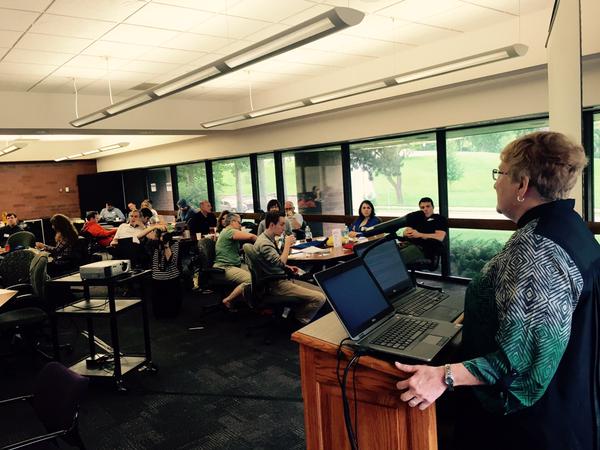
(448, 377)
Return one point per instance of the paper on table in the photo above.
(313, 250)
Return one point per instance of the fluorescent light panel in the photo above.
(105, 148)
(427, 72)
(310, 30)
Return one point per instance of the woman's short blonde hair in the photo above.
(550, 160)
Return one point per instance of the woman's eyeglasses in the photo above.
(496, 172)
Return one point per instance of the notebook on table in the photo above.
(385, 263)
(372, 322)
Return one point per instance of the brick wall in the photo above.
(34, 190)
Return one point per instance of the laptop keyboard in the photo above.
(404, 332)
(420, 301)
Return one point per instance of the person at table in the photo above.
(203, 220)
(424, 238)
(221, 220)
(273, 261)
(184, 210)
(366, 218)
(146, 203)
(64, 254)
(274, 206)
(296, 220)
(129, 230)
(94, 230)
(111, 213)
(227, 256)
(148, 218)
(530, 334)
(12, 226)
(131, 207)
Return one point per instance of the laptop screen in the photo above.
(354, 296)
(386, 265)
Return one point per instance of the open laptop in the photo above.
(385, 263)
(370, 320)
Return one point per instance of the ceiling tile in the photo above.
(230, 27)
(111, 10)
(467, 18)
(71, 26)
(353, 45)
(134, 34)
(269, 10)
(280, 67)
(149, 67)
(377, 27)
(170, 55)
(267, 32)
(13, 20)
(233, 47)
(18, 81)
(97, 62)
(367, 6)
(218, 6)
(309, 13)
(37, 57)
(8, 38)
(513, 6)
(117, 50)
(416, 10)
(80, 72)
(59, 84)
(10, 68)
(34, 41)
(100, 87)
(196, 42)
(26, 5)
(168, 17)
(417, 34)
(308, 56)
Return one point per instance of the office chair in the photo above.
(55, 400)
(429, 262)
(14, 267)
(210, 277)
(20, 240)
(258, 297)
(28, 314)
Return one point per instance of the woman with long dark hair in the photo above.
(366, 218)
(64, 254)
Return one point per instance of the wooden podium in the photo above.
(384, 421)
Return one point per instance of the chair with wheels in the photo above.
(56, 396)
(209, 277)
(258, 297)
(430, 262)
(14, 267)
(21, 240)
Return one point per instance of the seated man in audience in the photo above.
(274, 261)
(12, 226)
(295, 219)
(111, 214)
(184, 211)
(129, 230)
(94, 229)
(147, 217)
(227, 256)
(132, 207)
(424, 238)
(274, 206)
(203, 220)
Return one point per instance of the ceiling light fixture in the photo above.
(310, 30)
(476, 60)
(105, 148)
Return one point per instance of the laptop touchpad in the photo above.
(432, 340)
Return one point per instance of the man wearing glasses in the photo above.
(227, 256)
(425, 237)
(292, 216)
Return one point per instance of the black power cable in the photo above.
(342, 380)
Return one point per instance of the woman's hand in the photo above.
(424, 385)
(352, 234)
(39, 245)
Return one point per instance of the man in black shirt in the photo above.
(425, 238)
(203, 220)
(12, 226)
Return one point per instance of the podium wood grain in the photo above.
(384, 421)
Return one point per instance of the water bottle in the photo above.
(337, 238)
(345, 232)
(308, 234)
(281, 241)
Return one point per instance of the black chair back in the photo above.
(14, 267)
(206, 253)
(21, 240)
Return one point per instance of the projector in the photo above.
(104, 269)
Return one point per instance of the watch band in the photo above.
(448, 377)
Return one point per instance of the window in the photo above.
(471, 155)
(233, 185)
(313, 182)
(394, 173)
(596, 217)
(470, 250)
(267, 186)
(191, 182)
(160, 188)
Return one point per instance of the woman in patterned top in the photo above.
(166, 286)
(530, 336)
(64, 254)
